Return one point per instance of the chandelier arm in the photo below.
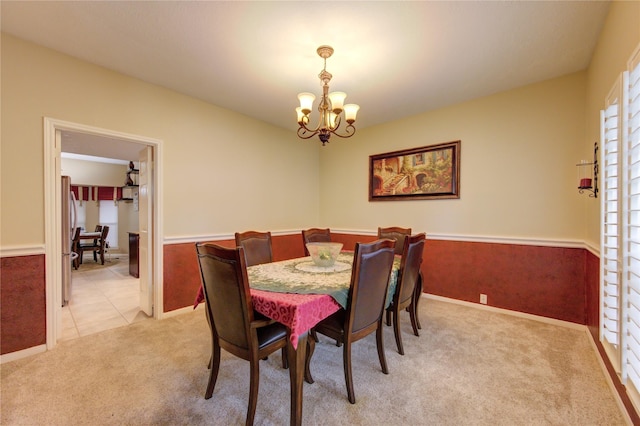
(350, 130)
(307, 129)
(302, 131)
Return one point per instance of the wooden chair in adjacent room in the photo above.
(408, 276)
(75, 247)
(315, 235)
(235, 326)
(372, 265)
(96, 246)
(256, 245)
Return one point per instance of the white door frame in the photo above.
(52, 200)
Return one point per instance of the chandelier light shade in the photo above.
(330, 108)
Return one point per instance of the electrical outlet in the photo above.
(483, 299)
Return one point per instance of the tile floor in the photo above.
(102, 297)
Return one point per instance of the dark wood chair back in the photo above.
(315, 235)
(75, 247)
(404, 293)
(395, 233)
(372, 264)
(256, 245)
(97, 246)
(235, 327)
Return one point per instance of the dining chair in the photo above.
(372, 263)
(399, 234)
(96, 246)
(256, 245)
(395, 233)
(315, 235)
(235, 326)
(75, 243)
(408, 276)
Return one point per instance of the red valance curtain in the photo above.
(96, 193)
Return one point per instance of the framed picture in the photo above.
(428, 172)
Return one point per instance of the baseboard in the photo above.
(553, 321)
(181, 311)
(607, 377)
(13, 356)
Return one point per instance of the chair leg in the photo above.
(311, 347)
(380, 346)
(314, 335)
(417, 292)
(253, 391)
(413, 315)
(388, 316)
(396, 331)
(285, 363)
(348, 377)
(215, 366)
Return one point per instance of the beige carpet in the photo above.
(468, 367)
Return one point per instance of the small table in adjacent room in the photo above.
(134, 261)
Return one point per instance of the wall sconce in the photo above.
(588, 174)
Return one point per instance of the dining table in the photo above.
(299, 294)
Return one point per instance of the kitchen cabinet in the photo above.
(134, 256)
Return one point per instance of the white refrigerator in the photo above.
(69, 222)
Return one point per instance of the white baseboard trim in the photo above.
(13, 356)
(612, 386)
(553, 321)
(181, 311)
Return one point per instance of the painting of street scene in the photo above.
(418, 173)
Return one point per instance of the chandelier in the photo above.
(330, 108)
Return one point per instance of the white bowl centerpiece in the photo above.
(324, 254)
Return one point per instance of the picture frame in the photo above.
(424, 173)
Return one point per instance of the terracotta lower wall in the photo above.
(545, 281)
(560, 283)
(22, 303)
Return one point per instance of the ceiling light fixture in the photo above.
(330, 108)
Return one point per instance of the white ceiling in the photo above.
(394, 59)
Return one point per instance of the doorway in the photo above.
(103, 143)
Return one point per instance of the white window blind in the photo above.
(109, 217)
(611, 211)
(631, 303)
(620, 225)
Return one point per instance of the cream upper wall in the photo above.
(222, 171)
(618, 39)
(84, 172)
(519, 150)
(518, 176)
